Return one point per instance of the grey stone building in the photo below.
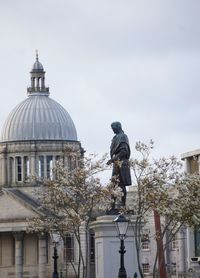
(33, 137)
(192, 166)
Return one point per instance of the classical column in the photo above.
(4, 168)
(22, 169)
(45, 166)
(199, 162)
(32, 165)
(53, 161)
(19, 255)
(182, 251)
(53, 166)
(14, 170)
(65, 160)
(10, 170)
(187, 166)
(42, 256)
(42, 83)
(38, 83)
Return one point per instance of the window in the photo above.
(174, 243)
(19, 168)
(145, 242)
(92, 248)
(145, 268)
(145, 245)
(173, 268)
(69, 248)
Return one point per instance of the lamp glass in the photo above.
(121, 224)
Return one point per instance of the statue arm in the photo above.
(123, 152)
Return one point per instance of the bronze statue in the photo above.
(120, 154)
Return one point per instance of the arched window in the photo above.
(19, 168)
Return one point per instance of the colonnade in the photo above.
(20, 169)
(42, 260)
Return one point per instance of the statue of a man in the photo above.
(120, 154)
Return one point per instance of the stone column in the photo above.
(32, 165)
(42, 83)
(54, 161)
(190, 245)
(45, 166)
(33, 169)
(199, 162)
(42, 256)
(65, 161)
(22, 169)
(19, 255)
(4, 168)
(187, 166)
(53, 166)
(8, 172)
(182, 251)
(14, 170)
(38, 83)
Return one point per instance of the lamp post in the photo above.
(121, 224)
(55, 239)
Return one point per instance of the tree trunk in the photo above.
(160, 249)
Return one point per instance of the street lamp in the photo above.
(55, 239)
(121, 224)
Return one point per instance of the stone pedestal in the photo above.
(107, 244)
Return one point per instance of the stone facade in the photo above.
(22, 161)
(192, 166)
(25, 255)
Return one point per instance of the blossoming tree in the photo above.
(71, 200)
(164, 190)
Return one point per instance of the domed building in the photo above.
(33, 138)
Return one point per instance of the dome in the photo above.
(37, 66)
(38, 118)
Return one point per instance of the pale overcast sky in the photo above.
(137, 62)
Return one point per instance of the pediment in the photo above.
(13, 208)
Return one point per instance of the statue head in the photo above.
(116, 127)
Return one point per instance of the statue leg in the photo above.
(114, 203)
(123, 199)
